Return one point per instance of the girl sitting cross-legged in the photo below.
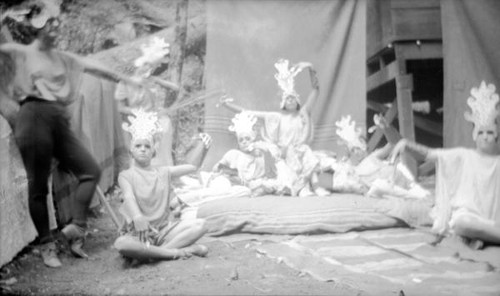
(151, 233)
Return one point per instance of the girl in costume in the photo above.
(373, 174)
(467, 192)
(291, 128)
(151, 233)
(253, 164)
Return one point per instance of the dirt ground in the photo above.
(231, 268)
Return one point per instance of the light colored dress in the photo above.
(467, 184)
(292, 134)
(255, 172)
(151, 189)
(151, 99)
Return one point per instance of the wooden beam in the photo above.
(429, 126)
(404, 86)
(426, 50)
(383, 76)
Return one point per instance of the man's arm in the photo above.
(94, 68)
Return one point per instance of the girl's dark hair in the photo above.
(7, 70)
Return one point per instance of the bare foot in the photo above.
(197, 250)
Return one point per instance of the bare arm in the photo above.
(128, 198)
(383, 152)
(99, 70)
(181, 170)
(164, 83)
(418, 151)
(227, 102)
(11, 47)
(313, 95)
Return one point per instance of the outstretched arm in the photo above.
(227, 102)
(11, 47)
(164, 83)
(313, 95)
(181, 170)
(94, 68)
(418, 151)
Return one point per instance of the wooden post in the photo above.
(404, 87)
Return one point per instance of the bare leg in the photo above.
(476, 229)
(185, 234)
(131, 247)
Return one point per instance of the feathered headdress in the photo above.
(286, 80)
(143, 125)
(483, 104)
(352, 135)
(243, 123)
(153, 51)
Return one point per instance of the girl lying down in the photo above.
(373, 174)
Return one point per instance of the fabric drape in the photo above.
(471, 54)
(246, 38)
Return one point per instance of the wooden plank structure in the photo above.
(399, 31)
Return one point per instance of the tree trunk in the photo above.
(177, 54)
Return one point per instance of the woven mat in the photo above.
(392, 260)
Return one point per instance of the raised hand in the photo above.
(379, 121)
(224, 100)
(206, 139)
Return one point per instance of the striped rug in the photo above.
(396, 261)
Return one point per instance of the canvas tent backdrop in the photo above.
(471, 52)
(246, 38)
